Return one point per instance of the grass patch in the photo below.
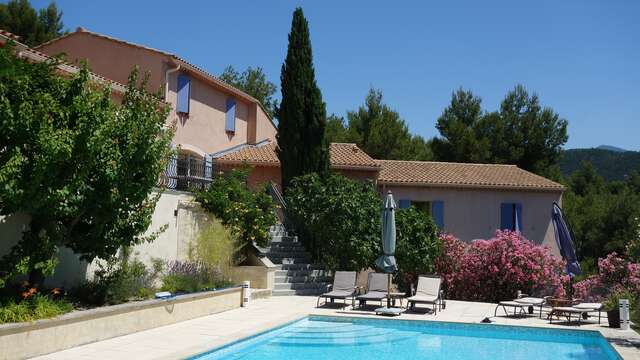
(35, 308)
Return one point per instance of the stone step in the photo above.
(302, 279)
(285, 246)
(299, 267)
(303, 292)
(300, 286)
(303, 273)
(290, 260)
(292, 254)
(284, 239)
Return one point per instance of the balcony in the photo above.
(187, 172)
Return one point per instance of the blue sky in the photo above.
(581, 57)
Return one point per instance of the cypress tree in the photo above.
(302, 115)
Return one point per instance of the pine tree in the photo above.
(302, 116)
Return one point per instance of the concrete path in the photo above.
(194, 336)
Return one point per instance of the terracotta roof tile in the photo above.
(342, 156)
(444, 174)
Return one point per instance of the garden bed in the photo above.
(24, 340)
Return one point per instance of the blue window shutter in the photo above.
(404, 203)
(230, 122)
(518, 217)
(184, 93)
(208, 166)
(437, 213)
(506, 216)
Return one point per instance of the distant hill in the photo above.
(611, 148)
(610, 164)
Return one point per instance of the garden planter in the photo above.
(614, 318)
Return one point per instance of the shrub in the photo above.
(118, 281)
(186, 276)
(615, 275)
(248, 214)
(215, 247)
(495, 269)
(338, 219)
(633, 248)
(35, 307)
(418, 246)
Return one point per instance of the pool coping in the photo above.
(312, 316)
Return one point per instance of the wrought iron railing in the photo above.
(185, 172)
(281, 206)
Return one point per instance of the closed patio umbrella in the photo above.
(387, 262)
(565, 243)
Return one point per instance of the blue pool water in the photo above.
(324, 337)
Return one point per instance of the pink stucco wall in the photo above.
(475, 213)
(203, 129)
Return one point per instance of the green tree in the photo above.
(336, 131)
(338, 219)
(81, 167)
(302, 115)
(33, 27)
(522, 132)
(381, 133)
(253, 81)
(460, 140)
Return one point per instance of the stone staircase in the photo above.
(295, 274)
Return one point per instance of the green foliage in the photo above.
(612, 302)
(33, 27)
(80, 166)
(611, 165)
(247, 213)
(34, 308)
(522, 132)
(253, 81)
(215, 247)
(418, 246)
(188, 277)
(302, 115)
(338, 220)
(633, 248)
(379, 131)
(118, 280)
(602, 215)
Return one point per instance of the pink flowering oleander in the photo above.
(495, 269)
(614, 274)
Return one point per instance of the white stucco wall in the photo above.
(475, 213)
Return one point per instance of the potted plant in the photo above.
(612, 308)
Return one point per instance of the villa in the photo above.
(219, 127)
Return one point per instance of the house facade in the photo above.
(219, 128)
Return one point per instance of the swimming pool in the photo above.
(327, 337)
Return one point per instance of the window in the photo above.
(230, 119)
(433, 209)
(184, 94)
(511, 216)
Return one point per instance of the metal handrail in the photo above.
(281, 208)
(185, 172)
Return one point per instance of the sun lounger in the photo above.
(581, 310)
(377, 287)
(521, 305)
(427, 292)
(344, 287)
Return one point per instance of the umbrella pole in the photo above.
(389, 290)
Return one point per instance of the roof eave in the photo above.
(472, 186)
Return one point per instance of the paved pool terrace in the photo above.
(198, 335)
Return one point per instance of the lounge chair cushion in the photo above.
(428, 286)
(377, 282)
(570, 309)
(373, 295)
(338, 294)
(588, 306)
(344, 281)
(530, 301)
(513, 303)
(423, 298)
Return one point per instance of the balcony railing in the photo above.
(186, 172)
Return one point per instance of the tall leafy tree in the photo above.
(33, 27)
(302, 115)
(379, 131)
(254, 82)
(460, 140)
(522, 132)
(82, 168)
